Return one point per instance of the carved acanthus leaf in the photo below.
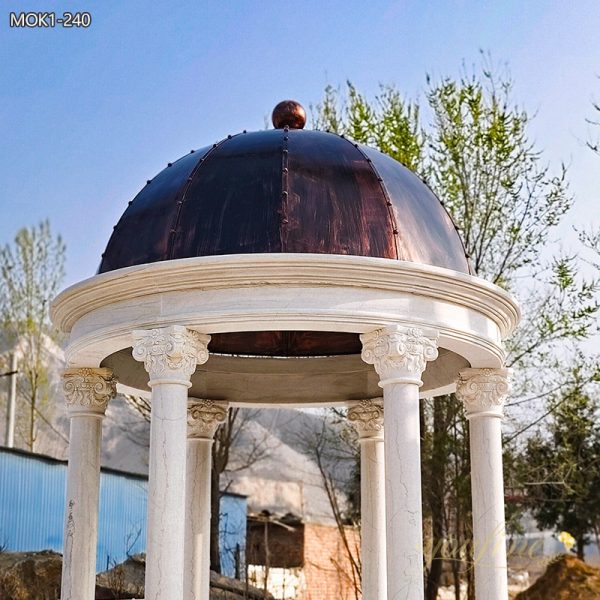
(483, 390)
(88, 388)
(367, 418)
(204, 417)
(170, 351)
(399, 352)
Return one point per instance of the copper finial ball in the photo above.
(289, 113)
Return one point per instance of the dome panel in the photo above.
(231, 206)
(335, 203)
(143, 233)
(426, 233)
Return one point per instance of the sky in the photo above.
(88, 115)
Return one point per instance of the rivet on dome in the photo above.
(229, 136)
(290, 114)
(192, 151)
(148, 181)
(169, 164)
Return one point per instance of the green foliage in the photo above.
(389, 123)
(563, 465)
(31, 272)
(490, 177)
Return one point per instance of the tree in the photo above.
(31, 272)
(476, 155)
(563, 465)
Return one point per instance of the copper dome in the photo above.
(285, 190)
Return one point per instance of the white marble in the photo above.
(87, 393)
(483, 392)
(400, 355)
(276, 291)
(170, 356)
(367, 418)
(204, 417)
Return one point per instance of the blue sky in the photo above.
(87, 116)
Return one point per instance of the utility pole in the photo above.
(9, 440)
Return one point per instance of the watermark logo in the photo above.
(49, 20)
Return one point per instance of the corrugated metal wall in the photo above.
(232, 535)
(32, 500)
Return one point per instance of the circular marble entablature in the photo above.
(305, 296)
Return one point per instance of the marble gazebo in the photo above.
(285, 267)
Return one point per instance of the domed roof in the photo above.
(285, 190)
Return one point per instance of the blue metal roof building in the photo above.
(32, 501)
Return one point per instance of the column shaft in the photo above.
(87, 392)
(367, 418)
(197, 518)
(403, 492)
(166, 492)
(400, 355)
(483, 392)
(81, 518)
(204, 417)
(170, 356)
(372, 509)
(487, 490)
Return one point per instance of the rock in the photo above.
(36, 576)
(126, 581)
(30, 575)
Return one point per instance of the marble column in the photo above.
(87, 393)
(367, 418)
(204, 417)
(483, 392)
(399, 355)
(170, 356)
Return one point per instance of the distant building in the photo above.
(32, 496)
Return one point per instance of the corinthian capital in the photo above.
(367, 418)
(170, 352)
(204, 417)
(399, 354)
(483, 391)
(88, 391)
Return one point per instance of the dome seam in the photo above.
(283, 216)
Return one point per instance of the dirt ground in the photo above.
(565, 578)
